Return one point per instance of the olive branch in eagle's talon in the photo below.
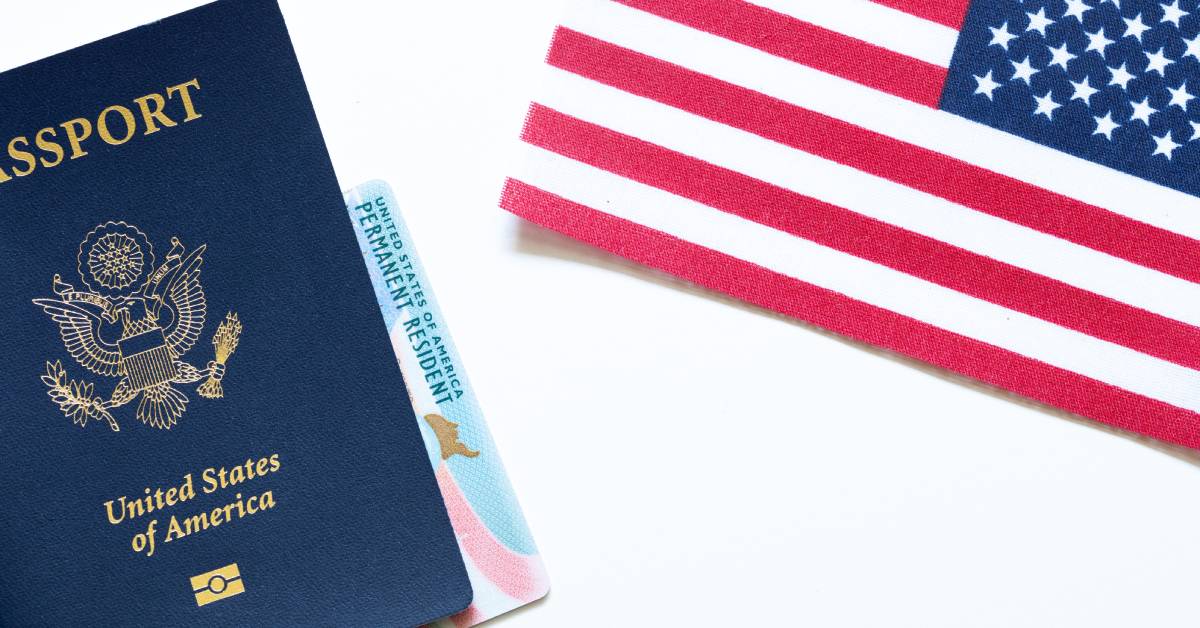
(75, 398)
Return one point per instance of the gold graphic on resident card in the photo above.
(447, 435)
(134, 321)
(218, 584)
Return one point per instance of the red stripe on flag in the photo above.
(838, 228)
(839, 313)
(796, 40)
(948, 12)
(916, 167)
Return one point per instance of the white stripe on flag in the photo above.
(863, 280)
(940, 131)
(875, 24)
(869, 195)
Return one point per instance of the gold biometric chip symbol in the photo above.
(218, 584)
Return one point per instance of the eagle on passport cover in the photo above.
(202, 423)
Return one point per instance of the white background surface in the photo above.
(684, 459)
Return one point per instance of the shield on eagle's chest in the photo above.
(147, 360)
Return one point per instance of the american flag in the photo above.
(1005, 189)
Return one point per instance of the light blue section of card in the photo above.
(419, 331)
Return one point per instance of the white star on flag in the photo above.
(1195, 130)
(1135, 27)
(1142, 111)
(1083, 91)
(1120, 77)
(1193, 47)
(1098, 42)
(1075, 8)
(1038, 22)
(1024, 71)
(985, 85)
(1046, 105)
(1171, 13)
(1180, 96)
(1001, 36)
(1157, 62)
(1164, 145)
(1105, 126)
(1059, 56)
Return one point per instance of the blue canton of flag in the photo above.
(1113, 81)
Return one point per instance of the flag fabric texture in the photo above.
(1003, 188)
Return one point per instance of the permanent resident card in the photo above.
(503, 563)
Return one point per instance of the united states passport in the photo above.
(200, 421)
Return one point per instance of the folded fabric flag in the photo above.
(1004, 189)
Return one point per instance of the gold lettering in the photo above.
(187, 491)
(22, 155)
(186, 97)
(49, 146)
(113, 518)
(76, 138)
(174, 531)
(47, 149)
(195, 523)
(150, 114)
(236, 476)
(210, 481)
(102, 125)
(134, 508)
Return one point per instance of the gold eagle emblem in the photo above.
(134, 321)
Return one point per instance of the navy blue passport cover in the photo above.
(202, 189)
